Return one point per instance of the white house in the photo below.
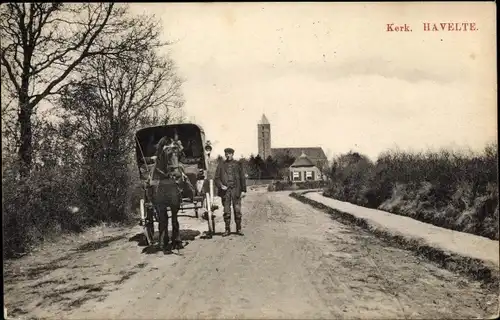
(303, 169)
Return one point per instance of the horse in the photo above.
(166, 192)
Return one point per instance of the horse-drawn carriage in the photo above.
(187, 153)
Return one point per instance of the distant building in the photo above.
(314, 154)
(264, 137)
(303, 169)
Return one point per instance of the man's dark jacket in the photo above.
(221, 177)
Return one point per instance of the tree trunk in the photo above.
(25, 151)
(25, 112)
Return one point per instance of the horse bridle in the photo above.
(167, 175)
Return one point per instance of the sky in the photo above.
(331, 75)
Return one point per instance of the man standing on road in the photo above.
(231, 182)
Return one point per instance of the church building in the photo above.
(313, 158)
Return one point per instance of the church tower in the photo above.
(264, 137)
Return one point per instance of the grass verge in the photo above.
(474, 269)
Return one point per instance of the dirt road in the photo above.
(292, 262)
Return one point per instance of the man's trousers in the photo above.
(231, 198)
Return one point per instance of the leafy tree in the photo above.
(252, 169)
(259, 167)
(283, 163)
(271, 168)
(244, 163)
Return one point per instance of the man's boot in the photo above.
(238, 227)
(228, 229)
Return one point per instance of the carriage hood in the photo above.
(191, 135)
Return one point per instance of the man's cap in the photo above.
(229, 150)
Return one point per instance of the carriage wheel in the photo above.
(210, 219)
(149, 227)
(147, 218)
(210, 232)
(149, 231)
(211, 204)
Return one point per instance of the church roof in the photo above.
(313, 153)
(303, 161)
(264, 120)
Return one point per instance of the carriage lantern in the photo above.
(208, 148)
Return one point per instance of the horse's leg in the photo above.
(176, 234)
(150, 227)
(163, 228)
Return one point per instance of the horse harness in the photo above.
(175, 171)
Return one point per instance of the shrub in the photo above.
(449, 189)
(62, 197)
(310, 185)
(36, 208)
(105, 192)
(289, 185)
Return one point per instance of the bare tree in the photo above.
(121, 95)
(44, 45)
(8, 116)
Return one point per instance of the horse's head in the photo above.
(167, 155)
